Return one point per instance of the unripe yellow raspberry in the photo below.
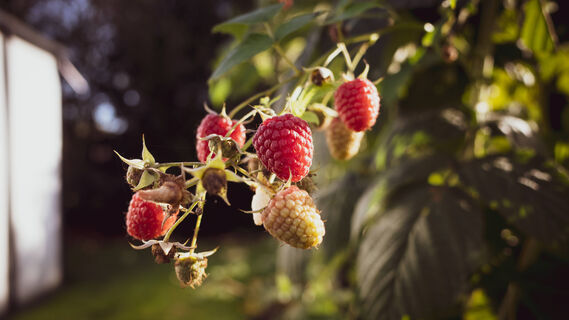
(343, 142)
(292, 217)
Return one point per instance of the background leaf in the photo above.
(294, 24)
(416, 258)
(353, 10)
(535, 34)
(249, 47)
(239, 25)
(409, 173)
(528, 194)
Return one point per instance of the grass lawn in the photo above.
(106, 279)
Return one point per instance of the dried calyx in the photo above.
(160, 256)
(214, 181)
(171, 191)
(133, 176)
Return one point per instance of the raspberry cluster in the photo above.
(278, 170)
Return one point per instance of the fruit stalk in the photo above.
(188, 211)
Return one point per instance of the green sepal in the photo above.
(310, 117)
(146, 155)
(136, 163)
(146, 179)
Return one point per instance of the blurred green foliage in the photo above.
(459, 197)
(125, 284)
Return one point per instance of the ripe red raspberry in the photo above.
(217, 124)
(284, 146)
(292, 217)
(144, 219)
(357, 103)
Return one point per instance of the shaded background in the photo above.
(147, 64)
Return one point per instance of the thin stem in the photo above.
(192, 182)
(244, 172)
(196, 230)
(530, 252)
(242, 120)
(332, 56)
(327, 98)
(346, 54)
(173, 227)
(360, 54)
(173, 164)
(269, 30)
(257, 96)
(247, 144)
(283, 55)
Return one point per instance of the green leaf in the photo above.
(535, 33)
(146, 155)
(417, 257)
(240, 23)
(219, 91)
(529, 195)
(292, 262)
(294, 24)
(337, 202)
(237, 30)
(249, 47)
(310, 117)
(423, 133)
(353, 10)
(406, 174)
(136, 163)
(146, 179)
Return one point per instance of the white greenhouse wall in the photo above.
(34, 157)
(4, 220)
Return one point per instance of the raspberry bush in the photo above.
(275, 161)
(400, 223)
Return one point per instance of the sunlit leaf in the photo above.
(239, 25)
(507, 27)
(529, 195)
(406, 174)
(479, 307)
(416, 258)
(561, 151)
(453, 4)
(422, 134)
(249, 47)
(535, 34)
(310, 117)
(219, 91)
